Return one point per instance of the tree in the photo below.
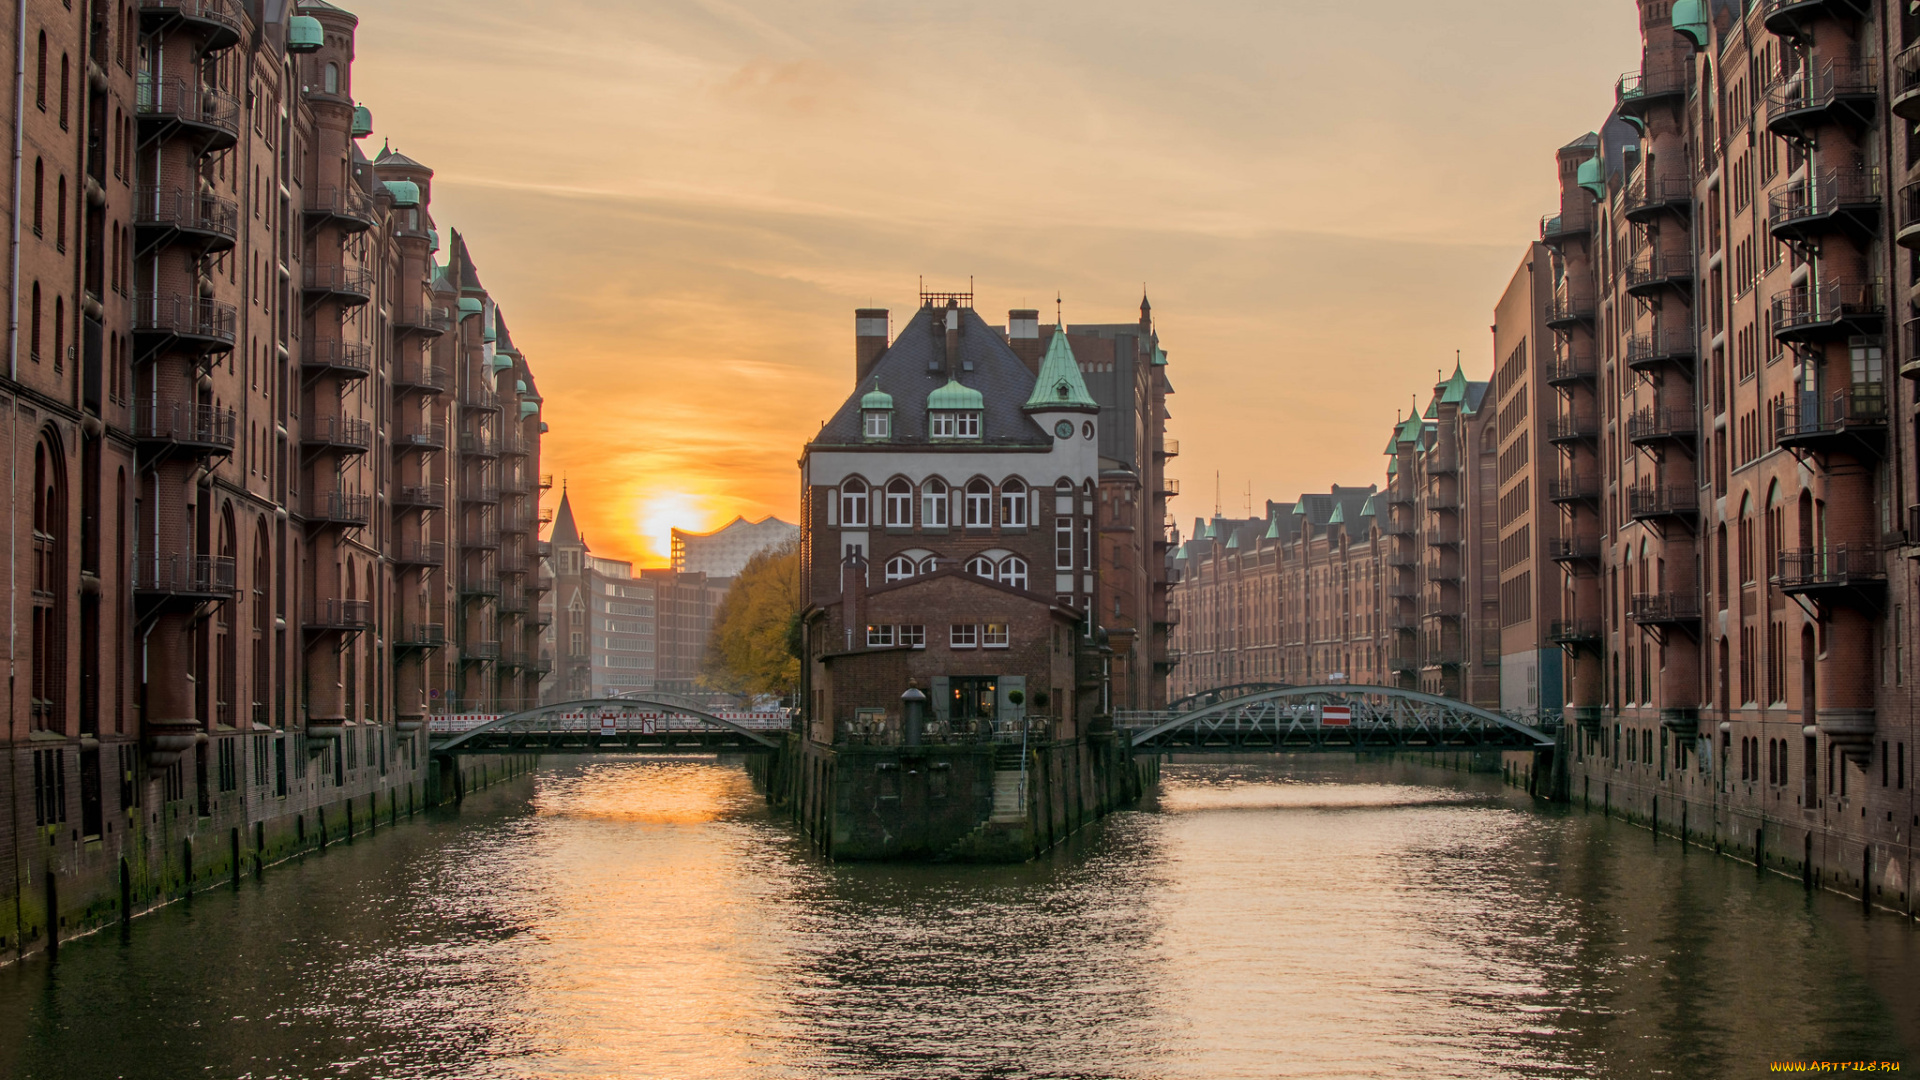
(752, 648)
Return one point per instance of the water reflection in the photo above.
(647, 917)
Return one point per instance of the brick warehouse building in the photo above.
(953, 515)
(1729, 527)
(277, 460)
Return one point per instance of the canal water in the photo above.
(650, 918)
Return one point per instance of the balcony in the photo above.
(420, 636)
(1660, 504)
(1830, 311)
(1569, 370)
(1652, 273)
(1573, 488)
(1665, 345)
(1906, 84)
(431, 435)
(420, 553)
(1557, 228)
(479, 399)
(1662, 80)
(1443, 536)
(348, 208)
(350, 285)
(1442, 461)
(340, 508)
(192, 321)
(480, 493)
(191, 578)
(162, 217)
(480, 652)
(1838, 93)
(546, 481)
(1852, 421)
(1570, 307)
(1667, 609)
(1574, 549)
(419, 377)
(342, 359)
(170, 108)
(1568, 429)
(479, 444)
(344, 434)
(1401, 560)
(420, 497)
(480, 538)
(1910, 350)
(512, 602)
(1834, 575)
(189, 429)
(515, 524)
(1833, 202)
(213, 21)
(1169, 448)
(1403, 665)
(1793, 18)
(337, 616)
(1574, 632)
(420, 319)
(479, 584)
(1651, 427)
(1646, 201)
(512, 443)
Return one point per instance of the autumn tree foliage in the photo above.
(752, 647)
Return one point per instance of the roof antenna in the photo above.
(1056, 310)
(1216, 493)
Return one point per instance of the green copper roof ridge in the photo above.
(1059, 386)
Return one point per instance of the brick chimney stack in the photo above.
(953, 337)
(869, 340)
(1023, 334)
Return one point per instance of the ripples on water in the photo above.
(649, 918)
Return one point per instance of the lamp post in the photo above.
(913, 711)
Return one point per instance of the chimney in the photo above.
(869, 340)
(953, 337)
(1023, 334)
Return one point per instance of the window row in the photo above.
(1009, 570)
(959, 636)
(978, 505)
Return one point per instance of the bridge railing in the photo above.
(587, 723)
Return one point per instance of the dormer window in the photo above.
(876, 414)
(879, 424)
(956, 425)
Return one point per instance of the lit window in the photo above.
(995, 636)
(879, 424)
(1014, 572)
(899, 568)
(853, 503)
(915, 636)
(933, 508)
(1013, 503)
(899, 504)
(879, 636)
(963, 637)
(979, 505)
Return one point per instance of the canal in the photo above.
(650, 918)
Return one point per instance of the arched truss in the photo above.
(611, 725)
(1291, 719)
(1218, 694)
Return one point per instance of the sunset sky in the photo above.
(679, 205)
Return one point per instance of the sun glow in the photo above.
(662, 512)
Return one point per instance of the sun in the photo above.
(661, 513)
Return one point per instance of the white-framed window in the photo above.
(981, 567)
(853, 502)
(899, 504)
(879, 636)
(1013, 571)
(915, 636)
(979, 505)
(940, 425)
(963, 637)
(1013, 502)
(994, 636)
(1063, 543)
(966, 425)
(900, 568)
(879, 424)
(933, 503)
(929, 564)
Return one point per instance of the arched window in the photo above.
(60, 216)
(39, 196)
(1746, 540)
(66, 89)
(899, 504)
(980, 566)
(40, 75)
(50, 591)
(933, 504)
(34, 339)
(1013, 502)
(853, 502)
(1013, 571)
(900, 568)
(929, 564)
(59, 331)
(979, 505)
(333, 79)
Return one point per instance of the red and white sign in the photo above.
(1336, 715)
(607, 727)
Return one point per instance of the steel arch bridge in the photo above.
(1297, 719)
(636, 724)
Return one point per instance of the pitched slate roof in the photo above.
(904, 373)
(564, 530)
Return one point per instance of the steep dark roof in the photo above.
(457, 257)
(564, 530)
(903, 372)
(390, 156)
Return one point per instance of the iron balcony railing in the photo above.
(419, 375)
(514, 522)
(478, 443)
(1571, 368)
(206, 427)
(480, 493)
(1666, 607)
(1860, 406)
(1573, 487)
(1644, 196)
(1654, 268)
(189, 211)
(340, 356)
(513, 444)
(1574, 631)
(1651, 424)
(1822, 196)
(429, 435)
(480, 537)
(1570, 303)
(341, 508)
(1646, 501)
(480, 650)
(1818, 89)
(349, 204)
(1573, 221)
(421, 636)
(193, 575)
(183, 102)
(1571, 428)
(1443, 536)
(1572, 548)
(480, 583)
(340, 615)
(421, 318)
(340, 432)
(420, 553)
(482, 398)
(1809, 306)
(1665, 341)
(1910, 353)
(338, 278)
(1834, 567)
(218, 12)
(201, 318)
(546, 481)
(1906, 84)
(1663, 73)
(420, 497)
(1169, 448)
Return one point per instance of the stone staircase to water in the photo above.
(1003, 836)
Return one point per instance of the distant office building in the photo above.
(601, 625)
(685, 603)
(724, 552)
